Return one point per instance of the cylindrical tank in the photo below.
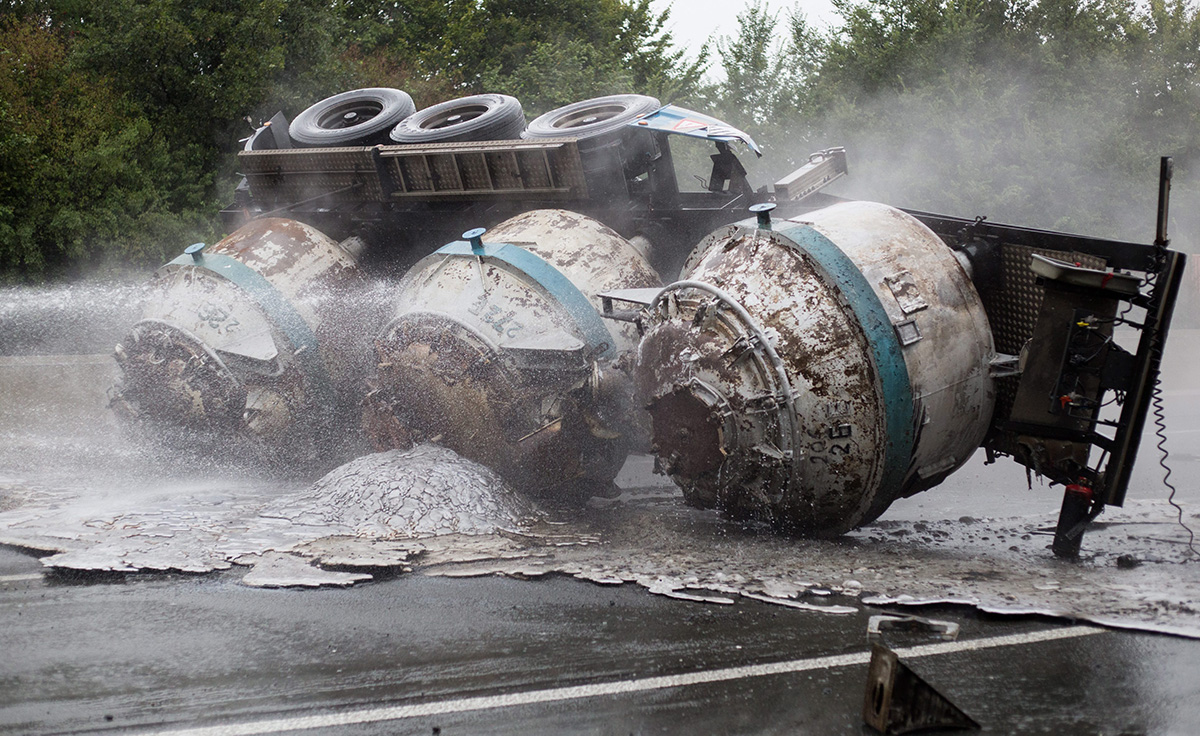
(498, 351)
(251, 347)
(808, 372)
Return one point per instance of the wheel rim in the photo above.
(454, 116)
(590, 116)
(349, 114)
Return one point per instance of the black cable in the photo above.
(1160, 431)
(1156, 263)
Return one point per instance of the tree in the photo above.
(119, 118)
(545, 53)
(84, 176)
(751, 61)
(771, 83)
(1051, 113)
(198, 68)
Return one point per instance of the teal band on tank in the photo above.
(279, 311)
(578, 307)
(886, 351)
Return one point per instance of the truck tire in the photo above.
(475, 118)
(589, 119)
(260, 140)
(611, 151)
(360, 117)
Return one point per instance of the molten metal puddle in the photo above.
(430, 511)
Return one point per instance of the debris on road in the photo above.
(645, 537)
(884, 624)
(899, 701)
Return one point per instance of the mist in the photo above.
(1023, 119)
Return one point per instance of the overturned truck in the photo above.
(788, 356)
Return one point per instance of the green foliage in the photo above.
(545, 53)
(404, 44)
(118, 120)
(198, 68)
(85, 178)
(750, 88)
(552, 75)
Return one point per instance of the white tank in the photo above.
(251, 347)
(498, 351)
(811, 371)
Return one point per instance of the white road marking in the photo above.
(464, 705)
(20, 577)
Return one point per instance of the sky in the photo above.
(694, 21)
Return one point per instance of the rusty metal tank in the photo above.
(809, 372)
(253, 348)
(497, 350)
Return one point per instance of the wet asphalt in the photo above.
(157, 654)
(170, 653)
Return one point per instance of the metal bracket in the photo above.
(908, 332)
(822, 169)
(641, 297)
(1002, 366)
